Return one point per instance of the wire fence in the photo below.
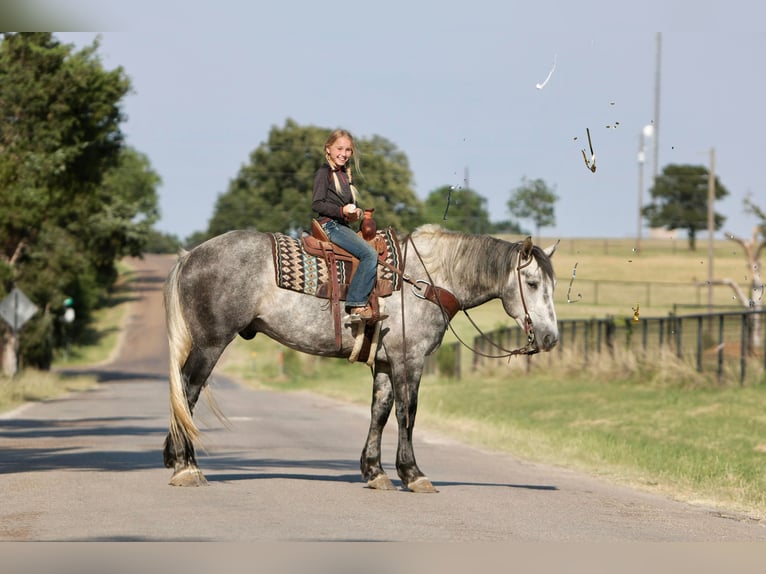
(728, 344)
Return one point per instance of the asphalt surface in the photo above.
(88, 467)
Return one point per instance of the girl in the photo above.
(334, 201)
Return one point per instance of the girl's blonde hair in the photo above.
(332, 138)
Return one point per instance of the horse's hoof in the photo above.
(188, 477)
(381, 482)
(421, 485)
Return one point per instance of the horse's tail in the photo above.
(182, 427)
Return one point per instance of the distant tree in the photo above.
(457, 209)
(680, 200)
(508, 227)
(534, 200)
(196, 238)
(159, 242)
(273, 191)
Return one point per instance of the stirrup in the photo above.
(365, 315)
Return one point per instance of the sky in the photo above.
(454, 85)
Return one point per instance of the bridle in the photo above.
(531, 348)
(449, 305)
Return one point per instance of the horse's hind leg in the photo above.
(382, 401)
(179, 450)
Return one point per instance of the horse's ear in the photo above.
(526, 248)
(549, 251)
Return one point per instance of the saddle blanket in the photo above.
(299, 271)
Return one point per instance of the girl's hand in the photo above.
(351, 212)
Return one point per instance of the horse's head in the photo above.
(528, 294)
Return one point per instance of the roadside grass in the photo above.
(32, 385)
(97, 347)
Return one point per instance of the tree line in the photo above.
(272, 192)
(75, 197)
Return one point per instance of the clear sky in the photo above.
(453, 86)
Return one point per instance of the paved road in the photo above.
(88, 467)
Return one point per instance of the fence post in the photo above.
(719, 370)
(743, 338)
(699, 344)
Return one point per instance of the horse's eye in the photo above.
(532, 284)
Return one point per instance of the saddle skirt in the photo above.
(304, 272)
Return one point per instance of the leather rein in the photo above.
(449, 305)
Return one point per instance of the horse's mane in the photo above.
(461, 257)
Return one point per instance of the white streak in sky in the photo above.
(541, 86)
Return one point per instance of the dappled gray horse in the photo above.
(226, 286)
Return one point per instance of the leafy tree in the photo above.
(121, 225)
(680, 200)
(273, 191)
(467, 210)
(158, 242)
(507, 227)
(534, 200)
(74, 198)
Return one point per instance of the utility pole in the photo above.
(656, 133)
(641, 157)
(710, 228)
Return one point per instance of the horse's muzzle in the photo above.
(549, 341)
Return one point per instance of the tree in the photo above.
(534, 200)
(159, 242)
(273, 191)
(458, 209)
(128, 209)
(680, 200)
(73, 197)
(752, 249)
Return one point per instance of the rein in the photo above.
(449, 306)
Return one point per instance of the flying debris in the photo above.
(589, 163)
(541, 86)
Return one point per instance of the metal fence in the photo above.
(720, 343)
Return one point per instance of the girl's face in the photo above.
(340, 150)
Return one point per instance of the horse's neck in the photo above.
(467, 278)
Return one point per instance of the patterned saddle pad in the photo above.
(299, 271)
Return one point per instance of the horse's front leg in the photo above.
(382, 401)
(406, 389)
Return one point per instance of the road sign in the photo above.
(16, 309)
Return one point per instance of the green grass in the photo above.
(697, 445)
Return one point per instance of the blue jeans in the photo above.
(364, 278)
